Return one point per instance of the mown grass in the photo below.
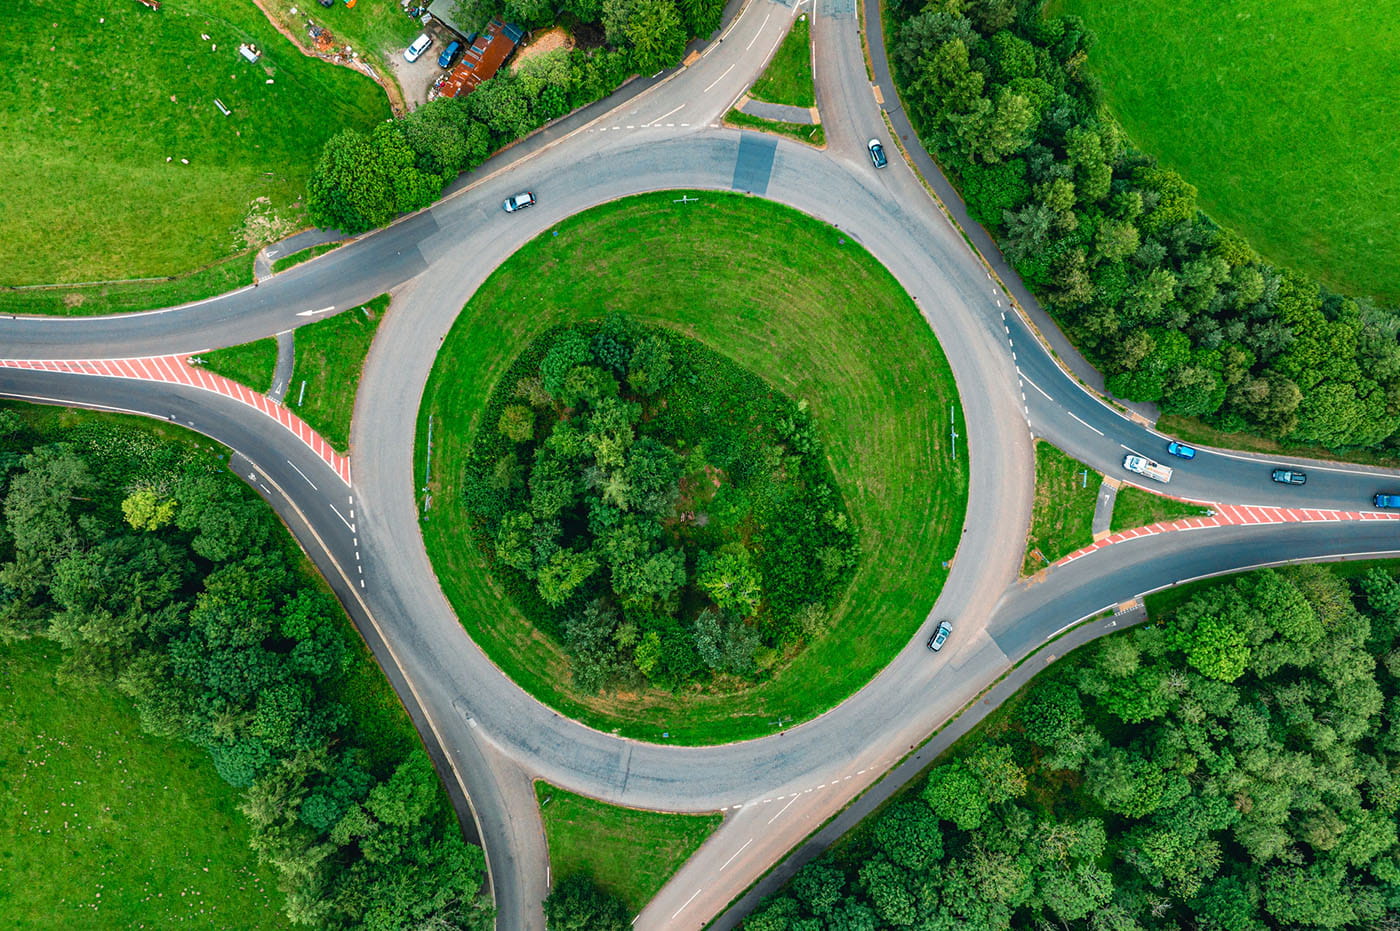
(107, 827)
(1194, 430)
(252, 364)
(330, 355)
(1134, 507)
(812, 135)
(98, 96)
(788, 77)
(1062, 518)
(1282, 113)
(374, 28)
(305, 255)
(782, 295)
(629, 853)
(91, 300)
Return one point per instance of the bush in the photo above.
(163, 577)
(676, 517)
(362, 181)
(1114, 244)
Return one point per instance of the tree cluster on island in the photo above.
(1233, 768)
(163, 577)
(666, 514)
(1172, 308)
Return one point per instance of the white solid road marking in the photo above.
(303, 475)
(316, 313)
(687, 902)
(1037, 387)
(1095, 429)
(784, 808)
(717, 80)
(663, 116)
(756, 34)
(342, 517)
(731, 859)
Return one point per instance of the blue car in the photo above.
(1181, 450)
(449, 55)
(1388, 501)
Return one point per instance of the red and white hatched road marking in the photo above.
(1227, 515)
(177, 369)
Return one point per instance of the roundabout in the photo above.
(491, 737)
(802, 307)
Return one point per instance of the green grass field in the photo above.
(219, 278)
(812, 135)
(788, 77)
(1137, 508)
(252, 364)
(103, 103)
(629, 853)
(1282, 112)
(305, 255)
(329, 356)
(1062, 517)
(107, 827)
(784, 296)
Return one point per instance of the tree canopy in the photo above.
(1171, 308)
(166, 579)
(668, 515)
(1231, 767)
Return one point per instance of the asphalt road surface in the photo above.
(486, 735)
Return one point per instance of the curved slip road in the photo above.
(488, 732)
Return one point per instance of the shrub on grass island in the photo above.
(670, 517)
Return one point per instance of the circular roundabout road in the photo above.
(486, 734)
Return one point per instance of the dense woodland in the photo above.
(666, 514)
(1233, 767)
(363, 180)
(164, 577)
(1172, 308)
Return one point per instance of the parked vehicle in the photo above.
(877, 153)
(1289, 477)
(520, 201)
(1387, 501)
(1144, 466)
(1181, 450)
(416, 50)
(935, 643)
(448, 58)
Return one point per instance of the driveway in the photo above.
(417, 79)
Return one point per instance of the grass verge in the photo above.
(782, 295)
(92, 300)
(305, 255)
(252, 364)
(105, 826)
(329, 356)
(1062, 519)
(629, 853)
(1272, 109)
(812, 135)
(1193, 430)
(142, 175)
(788, 77)
(1134, 507)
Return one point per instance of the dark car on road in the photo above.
(1181, 450)
(877, 153)
(935, 643)
(1289, 477)
(1387, 501)
(449, 55)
